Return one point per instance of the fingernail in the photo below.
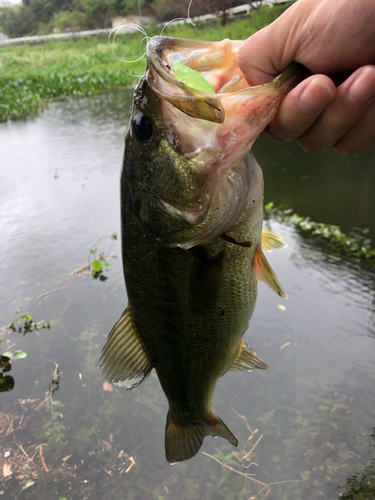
(315, 97)
(362, 89)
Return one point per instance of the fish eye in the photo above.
(142, 127)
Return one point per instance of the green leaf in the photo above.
(97, 265)
(29, 483)
(20, 354)
(190, 77)
(8, 354)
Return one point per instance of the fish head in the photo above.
(185, 146)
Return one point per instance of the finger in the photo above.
(351, 102)
(270, 50)
(301, 107)
(361, 137)
(254, 61)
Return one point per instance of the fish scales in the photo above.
(172, 309)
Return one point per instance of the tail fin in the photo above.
(183, 441)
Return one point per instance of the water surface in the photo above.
(314, 406)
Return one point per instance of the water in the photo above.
(59, 194)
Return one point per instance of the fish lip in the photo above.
(194, 102)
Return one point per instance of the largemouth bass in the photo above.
(192, 212)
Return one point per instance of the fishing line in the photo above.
(115, 31)
(136, 27)
(188, 19)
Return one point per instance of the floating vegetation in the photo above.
(97, 261)
(27, 325)
(355, 247)
(6, 381)
(21, 323)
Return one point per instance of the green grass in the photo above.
(33, 76)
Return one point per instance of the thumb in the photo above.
(269, 51)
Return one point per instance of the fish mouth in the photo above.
(217, 127)
(217, 63)
(212, 131)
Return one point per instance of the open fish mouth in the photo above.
(232, 115)
(217, 63)
(206, 134)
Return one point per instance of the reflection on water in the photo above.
(313, 406)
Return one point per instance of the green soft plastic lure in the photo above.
(190, 77)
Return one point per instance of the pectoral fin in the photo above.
(265, 273)
(123, 359)
(183, 440)
(272, 240)
(247, 360)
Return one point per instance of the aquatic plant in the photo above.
(337, 242)
(97, 262)
(28, 325)
(361, 486)
(6, 381)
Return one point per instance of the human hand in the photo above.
(329, 39)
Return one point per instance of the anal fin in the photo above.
(123, 359)
(272, 240)
(184, 440)
(247, 359)
(266, 274)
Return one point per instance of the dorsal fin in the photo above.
(247, 359)
(272, 240)
(123, 359)
(183, 440)
(265, 273)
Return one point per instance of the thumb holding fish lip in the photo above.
(267, 53)
(294, 36)
(327, 38)
(270, 50)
